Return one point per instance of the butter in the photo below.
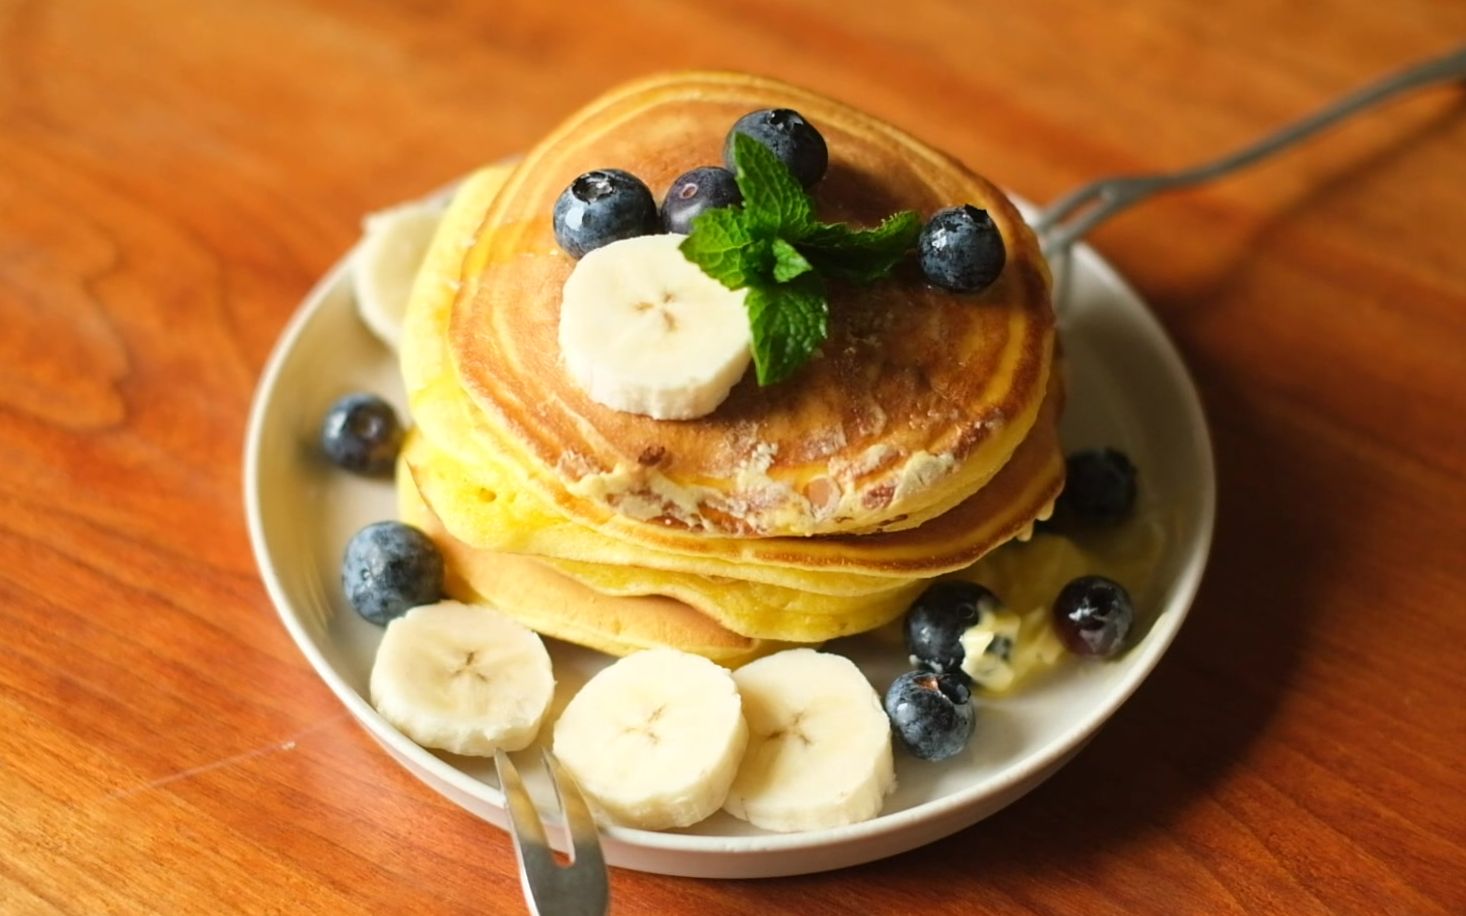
(1027, 577)
(988, 650)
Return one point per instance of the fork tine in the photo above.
(578, 889)
(526, 829)
(584, 837)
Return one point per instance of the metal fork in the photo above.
(580, 888)
(1072, 216)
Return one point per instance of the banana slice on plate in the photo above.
(644, 330)
(655, 738)
(819, 744)
(387, 259)
(463, 678)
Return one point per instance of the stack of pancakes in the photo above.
(921, 436)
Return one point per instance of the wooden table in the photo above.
(175, 174)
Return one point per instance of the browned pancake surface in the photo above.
(909, 371)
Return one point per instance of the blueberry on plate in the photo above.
(931, 714)
(360, 433)
(1093, 616)
(390, 568)
(791, 138)
(601, 207)
(961, 249)
(696, 192)
(1100, 486)
(940, 617)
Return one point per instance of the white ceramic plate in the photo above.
(1128, 388)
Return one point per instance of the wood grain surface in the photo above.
(175, 174)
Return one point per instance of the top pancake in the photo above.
(915, 401)
(485, 496)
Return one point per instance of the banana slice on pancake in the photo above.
(644, 330)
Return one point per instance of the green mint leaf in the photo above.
(774, 247)
(719, 244)
(759, 260)
(788, 322)
(774, 202)
(861, 255)
(788, 262)
(896, 232)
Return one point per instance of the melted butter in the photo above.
(1027, 578)
(991, 650)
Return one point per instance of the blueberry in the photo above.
(961, 249)
(694, 192)
(602, 207)
(931, 714)
(791, 138)
(939, 618)
(361, 434)
(1100, 486)
(389, 568)
(1093, 615)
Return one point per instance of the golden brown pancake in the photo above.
(917, 399)
(612, 582)
(482, 504)
(557, 606)
(753, 608)
(484, 492)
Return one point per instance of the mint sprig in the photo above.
(862, 255)
(789, 321)
(774, 247)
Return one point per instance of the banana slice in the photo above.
(464, 678)
(392, 248)
(644, 330)
(655, 738)
(819, 744)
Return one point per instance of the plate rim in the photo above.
(1175, 606)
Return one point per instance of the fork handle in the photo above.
(1099, 200)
